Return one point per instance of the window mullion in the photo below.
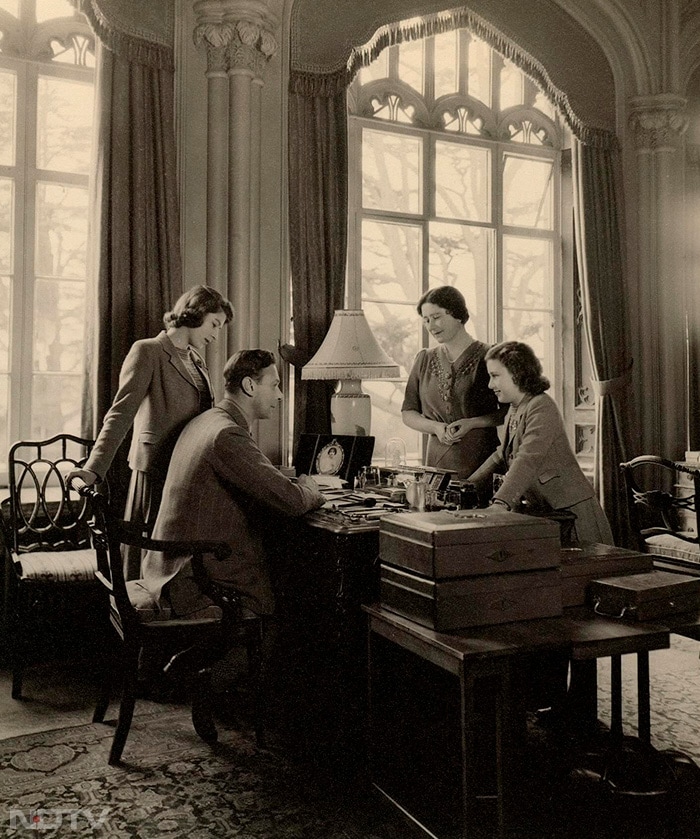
(26, 339)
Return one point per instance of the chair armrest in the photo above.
(134, 533)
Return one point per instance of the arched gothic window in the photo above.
(457, 176)
(47, 60)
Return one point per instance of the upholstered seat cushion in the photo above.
(57, 566)
(150, 610)
(671, 546)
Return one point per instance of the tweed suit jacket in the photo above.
(537, 459)
(157, 397)
(221, 486)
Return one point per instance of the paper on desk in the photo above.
(329, 481)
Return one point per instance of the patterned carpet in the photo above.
(173, 785)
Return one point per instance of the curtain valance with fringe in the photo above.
(137, 31)
(310, 84)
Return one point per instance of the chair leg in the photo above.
(105, 692)
(126, 705)
(202, 712)
(255, 643)
(19, 644)
(17, 673)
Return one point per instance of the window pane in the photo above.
(392, 168)
(527, 192)
(512, 86)
(61, 236)
(47, 9)
(397, 329)
(11, 6)
(64, 125)
(479, 69)
(56, 405)
(543, 104)
(378, 69)
(5, 287)
(411, 64)
(446, 78)
(462, 181)
(387, 398)
(59, 321)
(535, 329)
(391, 261)
(8, 109)
(527, 269)
(4, 412)
(460, 256)
(7, 225)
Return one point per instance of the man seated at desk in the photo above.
(220, 486)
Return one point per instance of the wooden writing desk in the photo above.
(423, 684)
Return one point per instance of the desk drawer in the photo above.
(471, 601)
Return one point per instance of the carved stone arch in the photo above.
(614, 28)
(382, 89)
(518, 115)
(476, 109)
(689, 48)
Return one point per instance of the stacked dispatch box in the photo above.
(591, 561)
(452, 570)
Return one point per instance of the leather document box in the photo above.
(648, 596)
(459, 543)
(446, 605)
(591, 561)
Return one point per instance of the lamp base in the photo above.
(351, 409)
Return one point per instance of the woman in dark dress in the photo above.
(447, 394)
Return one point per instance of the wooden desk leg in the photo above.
(511, 736)
(616, 695)
(583, 693)
(469, 769)
(643, 699)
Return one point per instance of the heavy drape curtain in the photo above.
(317, 176)
(318, 179)
(137, 260)
(597, 224)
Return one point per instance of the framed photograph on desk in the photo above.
(338, 455)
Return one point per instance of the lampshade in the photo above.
(350, 351)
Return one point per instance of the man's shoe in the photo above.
(202, 713)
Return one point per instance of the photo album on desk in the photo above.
(333, 457)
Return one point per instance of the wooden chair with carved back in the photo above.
(663, 497)
(138, 620)
(51, 586)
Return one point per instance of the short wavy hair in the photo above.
(194, 305)
(246, 363)
(523, 365)
(447, 298)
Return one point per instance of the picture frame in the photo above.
(333, 455)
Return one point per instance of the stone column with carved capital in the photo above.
(658, 124)
(240, 38)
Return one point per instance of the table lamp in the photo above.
(350, 353)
